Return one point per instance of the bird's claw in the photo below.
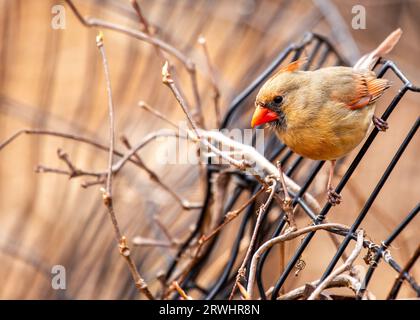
(333, 197)
(380, 124)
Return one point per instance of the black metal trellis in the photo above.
(320, 49)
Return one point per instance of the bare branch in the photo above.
(143, 22)
(157, 113)
(82, 139)
(165, 230)
(285, 237)
(99, 180)
(344, 267)
(69, 136)
(261, 211)
(216, 91)
(118, 165)
(167, 80)
(99, 43)
(252, 156)
(342, 280)
(140, 283)
(188, 63)
(181, 292)
(154, 177)
(231, 215)
(147, 242)
(72, 172)
(94, 22)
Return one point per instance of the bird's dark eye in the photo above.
(278, 99)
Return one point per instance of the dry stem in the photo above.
(149, 38)
(285, 237)
(344, 267)
(342, 280)
(261, 211)
(140, 283)
(216, 92)
(181, 291)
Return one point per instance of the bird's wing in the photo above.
(367, 90)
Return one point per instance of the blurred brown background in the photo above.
(54, 79)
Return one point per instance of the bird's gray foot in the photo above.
(380, 124)
(333, 197)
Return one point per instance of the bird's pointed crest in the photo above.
(291, 67)
(294, 65)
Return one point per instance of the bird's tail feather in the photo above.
(368, 61)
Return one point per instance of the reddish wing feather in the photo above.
(368, 90)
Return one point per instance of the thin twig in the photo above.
(154, 177)
(44, 169)
(143, 22)
(181, 291)
(85, 140)
(69, 136)
(148, 242)
(149, 38)
(205, 238)
(216, 91)
(165, 230)
(157, 113)
(99, 43)
(128, 157)
(88, 184)
(285, 237)
(248, 152)
(167, 80)
(140, 283)
(98, 23)
(73, 171)
(261, 211)
(231, 215)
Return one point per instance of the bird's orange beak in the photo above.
(263, 115)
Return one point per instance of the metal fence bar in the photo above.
(401, 277)
(385, 244)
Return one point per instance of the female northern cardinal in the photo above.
(326, 113)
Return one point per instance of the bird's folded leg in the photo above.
(380, 124)
(333, 197)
